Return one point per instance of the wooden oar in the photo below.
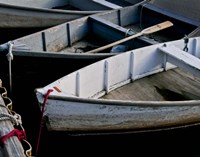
(146, 31)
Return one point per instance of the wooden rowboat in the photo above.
(69, 44)
(42, 14)
(76, 38)
(150, 88)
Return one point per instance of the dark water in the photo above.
(8, 34)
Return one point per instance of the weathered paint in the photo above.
(97, 30)
(126, 92)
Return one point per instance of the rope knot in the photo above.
(10, 55)
(21, 135)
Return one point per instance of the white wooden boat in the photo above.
(74, 39)
(47, 13)
(150, 88)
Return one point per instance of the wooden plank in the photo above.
(172, 85)
(182, 59)
(12, 147)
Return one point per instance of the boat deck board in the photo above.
(175, 85)
(83, 46)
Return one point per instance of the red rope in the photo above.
(40, 129)
(19, 133)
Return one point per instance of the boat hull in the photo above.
(49, 13)
(26, 17)
(139, 90)
(71, 40)
(89, 116)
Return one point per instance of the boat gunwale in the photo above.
(49, 10)
(128, 103)
(49, 54)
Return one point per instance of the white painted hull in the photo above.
(86, 101)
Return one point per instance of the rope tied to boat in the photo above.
(6, 99)
(16, 120)
(186, 40)
(21, 135)
(10, 47)
(10, 58)
(40, 128)
(127, 31)
(13, 118)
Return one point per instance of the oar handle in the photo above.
(148, 30)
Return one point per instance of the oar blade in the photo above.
(157, 27)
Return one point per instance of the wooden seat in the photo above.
(182, 59)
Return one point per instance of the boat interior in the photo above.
(82, 35)
(161, 72)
